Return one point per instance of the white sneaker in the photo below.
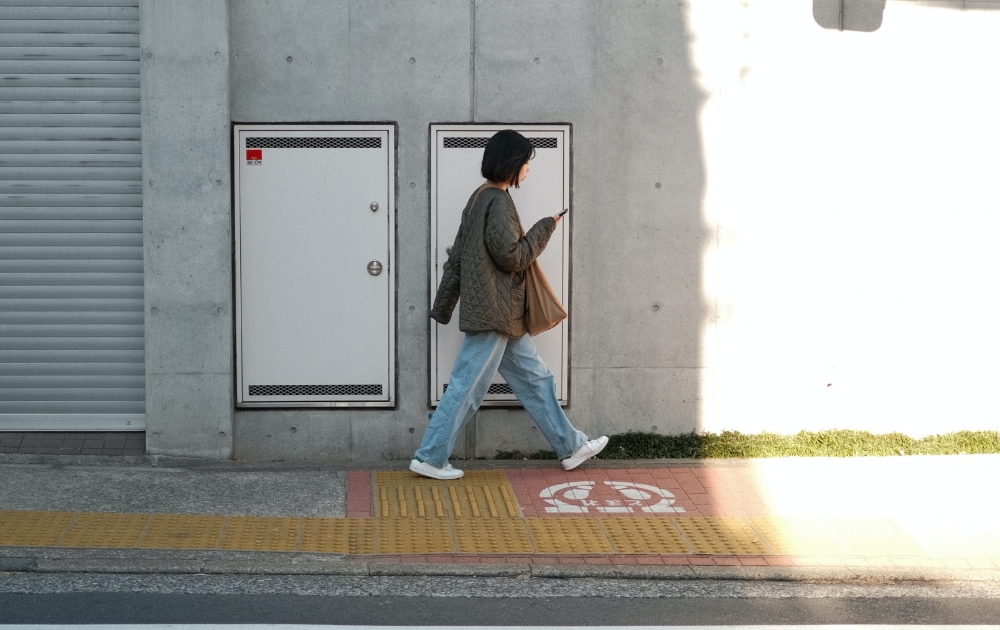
(585, 452)
(428, 470)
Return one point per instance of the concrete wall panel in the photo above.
(186, 226)
(350, 60)
(648, 135)
(192, 414)
(190, 337)
(307, 435)
(662, 400)
(289, 61)
(506, 430)
(536, 61)
(376, 437)
(403, 62)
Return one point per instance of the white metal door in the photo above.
(315, 211)
(456, 158)
(72, 336)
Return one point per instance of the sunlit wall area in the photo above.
(851, 180)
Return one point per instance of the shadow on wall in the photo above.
(865, 16)
(622, 72)
(638, 261)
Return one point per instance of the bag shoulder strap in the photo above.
(479, 190)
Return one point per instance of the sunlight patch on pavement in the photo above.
(919, 506)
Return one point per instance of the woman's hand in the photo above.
(558, 217)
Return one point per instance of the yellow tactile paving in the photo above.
(479, 494)
(491, 536)
(413, 535)
(405, 477)
(33, 529)
(644, 535)
(261, 534)
(720, 535)
(338, 535)
(106, 530)
(567, 535)
(487, 527)
(183, 531)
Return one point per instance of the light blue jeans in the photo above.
(478, 359)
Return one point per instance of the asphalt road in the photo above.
(121, 599)
(133, 608)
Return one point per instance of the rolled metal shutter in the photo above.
(72, 351)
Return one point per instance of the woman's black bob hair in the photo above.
(506, 152)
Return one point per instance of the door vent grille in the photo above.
(314, 143)
(495, 388)
(480, 143)
(315, 390)
(544, 143)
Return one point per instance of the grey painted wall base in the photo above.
(186, 227)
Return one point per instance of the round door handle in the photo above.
(374, 267)
(374, 206)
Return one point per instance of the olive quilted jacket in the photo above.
(486, 266)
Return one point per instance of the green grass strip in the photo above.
(733, 444)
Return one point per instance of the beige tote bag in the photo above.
(542, 310)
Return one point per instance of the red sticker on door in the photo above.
(254, 156)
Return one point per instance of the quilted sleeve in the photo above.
(509, 250)
(447, 294)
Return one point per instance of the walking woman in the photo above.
(486, 268)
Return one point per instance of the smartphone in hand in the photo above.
(563, 212)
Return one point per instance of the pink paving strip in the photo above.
(359, 494)
(635, 492)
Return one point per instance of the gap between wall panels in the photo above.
(472, 60)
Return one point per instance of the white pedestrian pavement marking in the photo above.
(581, 497)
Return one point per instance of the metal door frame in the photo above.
(392, 129)
(431, 258)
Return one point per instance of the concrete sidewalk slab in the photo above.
(173, 490)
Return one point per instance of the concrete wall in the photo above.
(620, 73)
(186, 227)
(777, 225)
